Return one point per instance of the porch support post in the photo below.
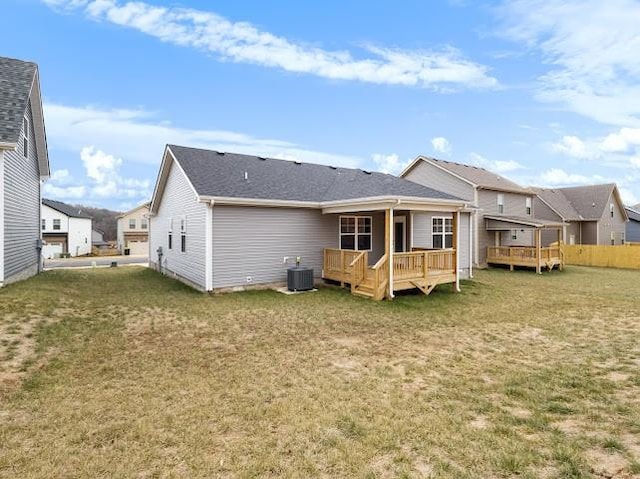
(538, 250)
(388, 246)
(208, 247)
(456, 255)
(471, 231)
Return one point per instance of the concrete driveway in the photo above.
(89, 261)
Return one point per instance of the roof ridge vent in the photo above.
(297, 162)
(220, 152)
(366, 172)
(333, 167)
(262, 158)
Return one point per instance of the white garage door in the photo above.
(138, 248)
(51, 250)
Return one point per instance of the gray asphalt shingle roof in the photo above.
(480, 177)
(633, 213)
(69, 210)
(223, 175)
(589, 201)
(16, 78)
(559, 202)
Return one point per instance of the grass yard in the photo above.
(124, 373)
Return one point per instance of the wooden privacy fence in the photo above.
(627, 256)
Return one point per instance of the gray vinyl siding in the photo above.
(633, 232)
(616, 225)
(423, 235)
(429, 175)
(573, 228)
(179, 200)
(253, 241)
(514, 205)
(543, 212)
(21, 208)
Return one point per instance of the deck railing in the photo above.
(525, 256)
(358, 269)
(380, 277)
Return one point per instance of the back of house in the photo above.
(633, 226)
(221, 220)
(594, 214)
(24, 164)
(133, 231)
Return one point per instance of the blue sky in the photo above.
(545, 92)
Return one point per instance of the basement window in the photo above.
(442, 233)
(356, 233)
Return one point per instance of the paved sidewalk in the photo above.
(89, 261)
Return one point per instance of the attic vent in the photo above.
(262, 158)
(366, 172)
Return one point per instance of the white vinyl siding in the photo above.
(177, 201)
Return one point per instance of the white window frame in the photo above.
(170, 235)
(132, 221)
(500, 203)
(611, 209)
(622, 238)
(144, 224)
(183, 234)
(514, 235)
(613, 238)
(43, 222)
(59, 222)
(527, 206)
(25, 136)
(443, 233)
(356, 233)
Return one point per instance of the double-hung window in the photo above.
(132, 224)
(170, 235)
(528, 206)
(356, 233)
(25, 137)
(611, 209)
(500, 203)
(183, 234)
(442, 233)
(56, 224)
(613, 238)
(144, 224)
(44, 224)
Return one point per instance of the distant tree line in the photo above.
(103, 220)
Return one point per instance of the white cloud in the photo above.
(136, 137)
(572, 146)
(559, 177)
(102, 180)
(621, 142)
(499, 166)
(592, 47)
(242, 42)
(441, 145)
(389, 163)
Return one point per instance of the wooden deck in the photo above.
(527, 256)
(422, 270)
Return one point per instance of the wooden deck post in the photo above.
(538, 251)
(342, 268)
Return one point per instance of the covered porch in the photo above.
(394, 263)
(514, 252)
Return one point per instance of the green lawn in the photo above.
(124, 373)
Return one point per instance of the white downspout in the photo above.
(391, 241)
(471, 245)
(208, 247)
(458, 251)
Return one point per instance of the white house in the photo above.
(65, 229)
(133, 230)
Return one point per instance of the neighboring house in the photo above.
(65, 229)
(633, 226)
(97, 240)
(504, 229)
(133, 230)
(593, 214)
(24, 165)
(225, 221)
